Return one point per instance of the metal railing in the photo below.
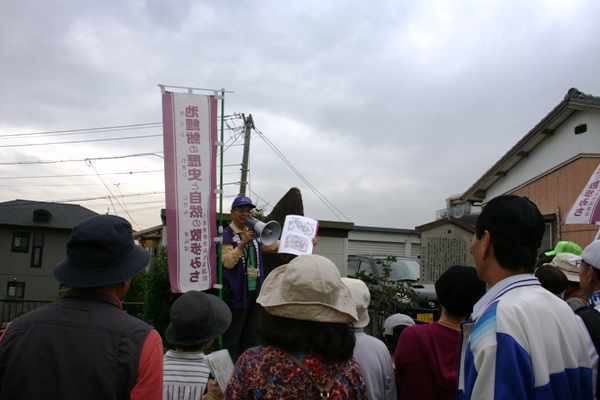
(11, 309)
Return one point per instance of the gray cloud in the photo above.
(385, 108)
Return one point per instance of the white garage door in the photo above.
(376, 248)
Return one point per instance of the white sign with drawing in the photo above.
(297, 235)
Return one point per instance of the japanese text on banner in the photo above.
(190, 136)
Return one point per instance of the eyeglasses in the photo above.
(578, 263)
(238, 210)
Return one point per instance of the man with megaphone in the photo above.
(244, 273)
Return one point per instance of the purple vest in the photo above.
(237, 277)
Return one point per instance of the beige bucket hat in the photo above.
(362, 297)
(309, 288)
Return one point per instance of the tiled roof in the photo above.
(62, 216)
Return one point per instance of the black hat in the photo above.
(458, 289)
(196, 318)
(514, 218)
(100, 252)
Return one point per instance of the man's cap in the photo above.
(196, 318)
(514, 218)
(100, 252)
(362, 297)
(242, 201)
(395, 320)
(565, 247)
(591, 255)
(459, 288)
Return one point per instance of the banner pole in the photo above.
(220, 229)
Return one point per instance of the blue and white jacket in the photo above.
(524, 343)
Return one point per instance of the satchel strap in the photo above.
(324, 392)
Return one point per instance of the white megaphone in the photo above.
(269, 232)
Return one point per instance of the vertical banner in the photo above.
(586, 208)
(190, 136)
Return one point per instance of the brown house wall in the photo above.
(555, 194)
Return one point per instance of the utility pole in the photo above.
(248, 126)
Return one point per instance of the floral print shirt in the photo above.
(269, 373)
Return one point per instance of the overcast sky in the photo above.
(386, 108)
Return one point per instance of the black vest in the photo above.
(82, 346)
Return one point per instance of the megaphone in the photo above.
(269, 232)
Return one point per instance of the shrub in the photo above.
(159, 297)
(387, 297)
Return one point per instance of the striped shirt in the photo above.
(185, 375)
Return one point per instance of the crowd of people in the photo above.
(517, 325)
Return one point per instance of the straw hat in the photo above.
(309, 288)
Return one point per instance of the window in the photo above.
(20, 242)
(37, 250)
(352, 268)
(365, 267)
(41, 215)
(16, 290)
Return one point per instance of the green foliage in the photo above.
(388, 297)
(137, 290)
(133, 302)
(159, 297)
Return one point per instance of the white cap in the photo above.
(591, 255)
(395, 320)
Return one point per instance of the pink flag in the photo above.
(190, 136)
(586, 208)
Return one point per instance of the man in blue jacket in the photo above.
(524, 342)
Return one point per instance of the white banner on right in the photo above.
(586, 208)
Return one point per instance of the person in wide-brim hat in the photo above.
(307, 339)
(81, 337)
(101, 252)
(197, 318)
(309, 288)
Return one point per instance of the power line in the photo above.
(321, 197)
(105, 129)
(55, 185)
(81, 141)
(79, 175)
(106, 197)
(86, 131)
(236, 133)
(83, 159)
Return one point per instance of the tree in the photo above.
(159, 297)
(134, 300)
